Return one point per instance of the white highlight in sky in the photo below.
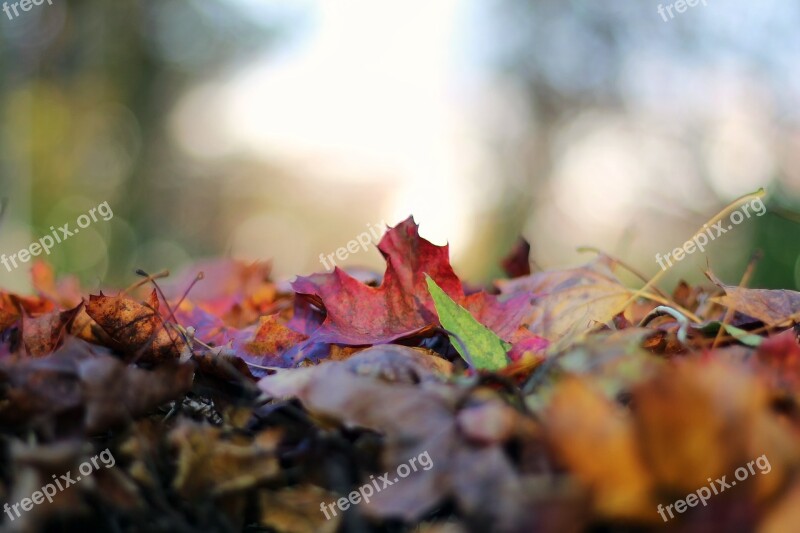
(370, 96)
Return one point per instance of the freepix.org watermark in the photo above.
(700, 240)
(24, 5)
(365, 492)
(61, 483)
(47, 242)
(680, 6)
(363, 240)
(702, 494)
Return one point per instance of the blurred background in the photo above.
(282, 129)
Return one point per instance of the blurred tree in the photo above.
(86, 87)
(569, 57)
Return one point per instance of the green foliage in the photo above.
(484, 349)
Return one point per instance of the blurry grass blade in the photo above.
(745, 337)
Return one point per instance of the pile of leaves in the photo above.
(563, 400)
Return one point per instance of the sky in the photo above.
(372, 93)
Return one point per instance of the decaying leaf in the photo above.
(583, 296)
(414, 419)
(772, 307)
(213, 466)
(296, 510)
(79, 390)
(139, 329)
(43, 334)
(596, 440)
(235, 402)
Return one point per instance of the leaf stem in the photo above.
(664, 301)
(662, 310)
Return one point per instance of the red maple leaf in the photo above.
(358, 314)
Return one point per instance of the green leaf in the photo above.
(739, 334)
(484, 349)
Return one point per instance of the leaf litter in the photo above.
(558, 400)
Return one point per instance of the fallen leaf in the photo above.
(772, 307)
(43, 334)
(414, 420)
(297, 510)
(210, 465)
(481, 348)
(78, 390)
(517, 263)
(596, 441)
(359, 314)
(583, 296)
(139, 329)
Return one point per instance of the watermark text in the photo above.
(365, 492)
(363, 240)
(61, 483)
(715, 487)
(700, 240)
(47, 242)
